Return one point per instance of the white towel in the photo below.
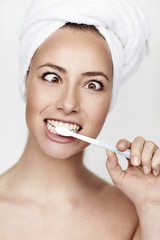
(121, 22)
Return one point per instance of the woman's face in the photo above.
(70, 81)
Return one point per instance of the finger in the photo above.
(114, 169)
(136, 150)
(123, 144)
(147, 154)
(156, 162)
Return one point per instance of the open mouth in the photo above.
(51, 124)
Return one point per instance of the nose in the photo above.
(68, 101)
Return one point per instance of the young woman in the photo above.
(49, 194)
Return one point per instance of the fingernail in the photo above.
(121, 145)
(145, 169)
(155, 173)
(135, 161)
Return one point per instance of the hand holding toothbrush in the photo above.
(140, 182)
(143, 166)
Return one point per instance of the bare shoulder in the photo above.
(6, 187)
(118, 214)
(113, 201)
(4, 180)
(119, 202)
(112, 198)
(111, 210)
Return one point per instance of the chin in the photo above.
(60, 154)
(60, 151)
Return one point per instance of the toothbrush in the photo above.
(63, 131)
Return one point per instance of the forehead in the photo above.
(82, 47)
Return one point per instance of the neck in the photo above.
(46, 174)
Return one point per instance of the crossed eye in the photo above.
(54, 78)
(94, 85)
(51, 77)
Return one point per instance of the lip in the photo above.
(57, 138)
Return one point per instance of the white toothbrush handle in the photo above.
(125, 153)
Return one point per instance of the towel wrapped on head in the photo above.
(121, 22)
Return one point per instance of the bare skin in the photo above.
(89, 209)
(49, 194)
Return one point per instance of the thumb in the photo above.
(115, 171)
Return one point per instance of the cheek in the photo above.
(97, 111)
(36, 95)
(36, 99)
(100, 111)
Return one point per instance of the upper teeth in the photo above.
(51, 124)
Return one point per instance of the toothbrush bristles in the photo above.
(63, 131)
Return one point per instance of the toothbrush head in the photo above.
(63, 131)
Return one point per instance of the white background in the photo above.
(136, 113)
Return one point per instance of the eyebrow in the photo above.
(60, 69)
(93, 74)
(63, 70)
